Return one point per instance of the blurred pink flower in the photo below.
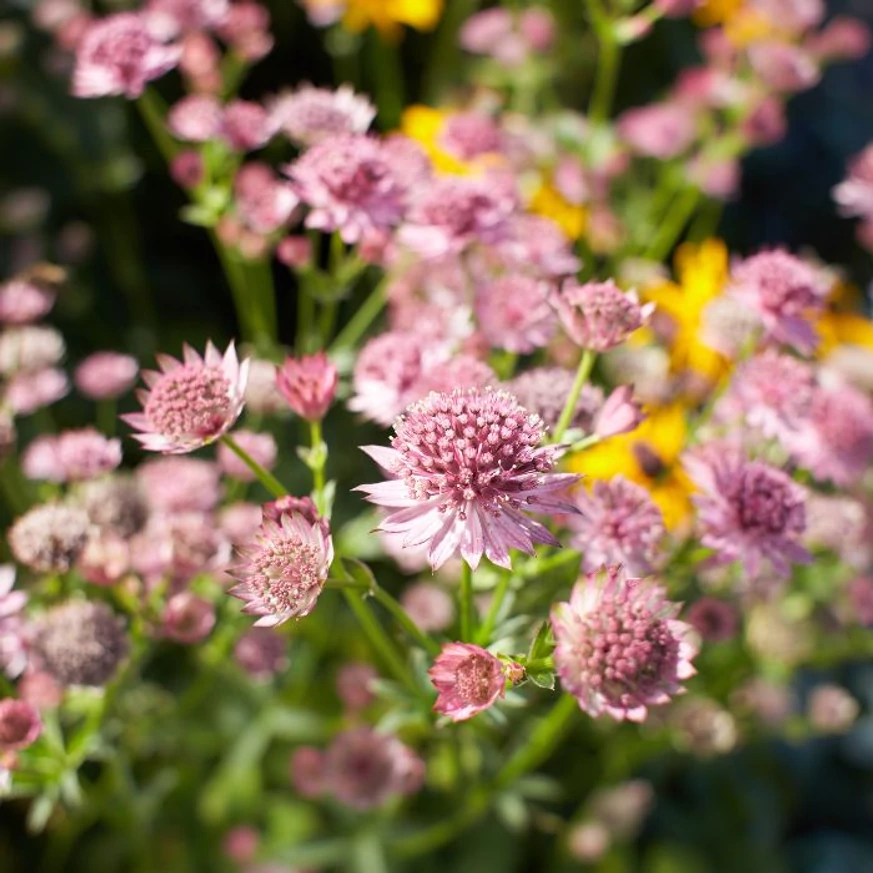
(468, 680)
(469, 135)
(854, 195)
(246, 29)
(105, 375)
(118, 55)
(467, 463)
(310, 115)
(619, 646)
(354, 683)
(245, 125)
(620, 413)
(49, 537)
(307, 771)
(842, 39)
(283, 570)
(241, 843)
(180, 484)
(195, 118)
(261, 652)
(174, 17)
(544, 390)
(260, 446)
(459, 371)
(13, 630)
(715, 620)
(187, 169)
(23, 301)
(514, 313)
(429, 606)
(783, 67)
(71, 456)
(20, 725)
(308, 384)
(660, 130)
(190, 404)
(187, 618)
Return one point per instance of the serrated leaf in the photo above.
(542, 679)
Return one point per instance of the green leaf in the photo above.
(359, 572)
(512, 811)
(542, 678)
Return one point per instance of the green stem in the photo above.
(365, 315)
(153, 111)
(106, 412)
(582, 374)
(608, 59)
(673, 224)
(316, 440)
(261, 297)
(538, 663)
(267, 479)
(305, 316)
(401, 616)
(387, 68)
(500, 592)
(539, 567)
(379, 640)
(443, 64)
(465, 597)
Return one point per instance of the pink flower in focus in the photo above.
(599, 315)
(786, 293)
(429, 606)
(354, 685)
(660, 130)
(715, 620)
(13, 636)
(466, 465)
(20, 725)
(260, 446)
(454, 213)
(308, 384)
(23, 301)
(619, 648)
(283, 570)
(187, 618)
(246, 126)
(620, 413)
(195, 118)
(747, 510)
(289, 505)
(310, 115)
(190, 403)
(72, 456)
(349, 185)
(836, 441)
(514, 313)
(118, 55)
(854, 195)
(28, 391)
(468, 680)
(618, 523)
(105, 375)
(261, 653)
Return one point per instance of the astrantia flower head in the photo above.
(618, 523)
(23, 301)
(20, 724)
(309, 115)
(467, 465)
(748, 511)
(514, 313)
(105, 375)
(72, 456)
(283, 570)
(26, 392)
(261, 652)
(13, 642)
(119, 54)
(175, 17)
(192, 403)
(544, 390)
(80, 642)
(195, 118)
(599, 315)
(264, 201)
(30, 348)
(187, 618)
(429, 606)
(261, 447)
(786, 293)
(619, 646)
(459, 371)
(245, 125)
(114, 503)
(308, 384)
(180, 484)
(49, 538)
(660, 130)
(468, 678)
(349, 185)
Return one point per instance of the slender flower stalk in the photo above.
(268, 480)
(465, 598)
(582, 376)
(364, 316)
(608, 60)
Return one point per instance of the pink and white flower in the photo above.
(469, 679)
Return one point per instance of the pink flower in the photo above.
(187, 618)
(49, 537)
(364, 769)
(466, 465)
(765, 124)
(190, 404)
(854, 195)
(459, 371)
(283, 570)
(618, 523)
(544, 390)
(187, 169)
(23, 301)
(429, 606)
(310, 115)
(660, 130)
(783, 67)
(619, 648)
(454, 213)
(843, 38)
(245, 126)
(785, 292)
(599, 315)
(28, 391)
(836, 441)
(175, 485)
(308, 384)
(468, 678)
(261, 653)
(860, 593)
(118, 55)
(175, 17)
(72, 456)
(469, 135)
(295, 251)
(354, 683)
(349, 185)
(241, 844)
(13, 642)
(535, 243)
(290, 505)
(20, 725)
(260, 446)
(619, 414)
(514, 313)
(105, 375)
(246, 28)
(307, 771)
(747, 510)
(715, 620)
(195, 118)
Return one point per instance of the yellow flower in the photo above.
(713, 12)
(387, 15)
(702, 271)
(547, 201)
(648, 456)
